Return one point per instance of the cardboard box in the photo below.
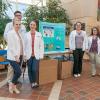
(66, 70)
(47, 71)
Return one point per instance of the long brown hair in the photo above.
(98, 33)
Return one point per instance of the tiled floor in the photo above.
(27, 93)
(41, 93)
(83, 88)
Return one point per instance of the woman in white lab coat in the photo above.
(34, 50)
(14, 53)
(78, 44)
(94, 50)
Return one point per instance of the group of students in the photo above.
(22, 46)
(79, 43)
(29, 47)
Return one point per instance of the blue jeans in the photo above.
(17, 71)
(33, 69)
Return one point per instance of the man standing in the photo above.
(9, 27)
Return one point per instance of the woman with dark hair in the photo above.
(78, 44)
(94, 49)
(34, 50)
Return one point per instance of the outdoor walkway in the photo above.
(83, 88)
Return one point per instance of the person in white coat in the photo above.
(78, 44)
(94, 50)
(9, 27)
(15, 53)
(34, 50)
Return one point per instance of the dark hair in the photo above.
(17, 12)
(82, 25)
(37, 23)
(98, 34)
(76, 24)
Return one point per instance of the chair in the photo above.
(3, 55)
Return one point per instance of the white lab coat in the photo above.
(72, 44)
(14, 45)
(38, 45)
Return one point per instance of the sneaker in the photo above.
(36, 85)
(79, 75)
(32, 85)
(93, 75)
(75, 75)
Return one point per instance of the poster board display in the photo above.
(53, 35)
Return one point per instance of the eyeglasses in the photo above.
(18, 15)
(18, 24)
(94, 30)
(78, 25)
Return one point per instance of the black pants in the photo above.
(78, 56)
